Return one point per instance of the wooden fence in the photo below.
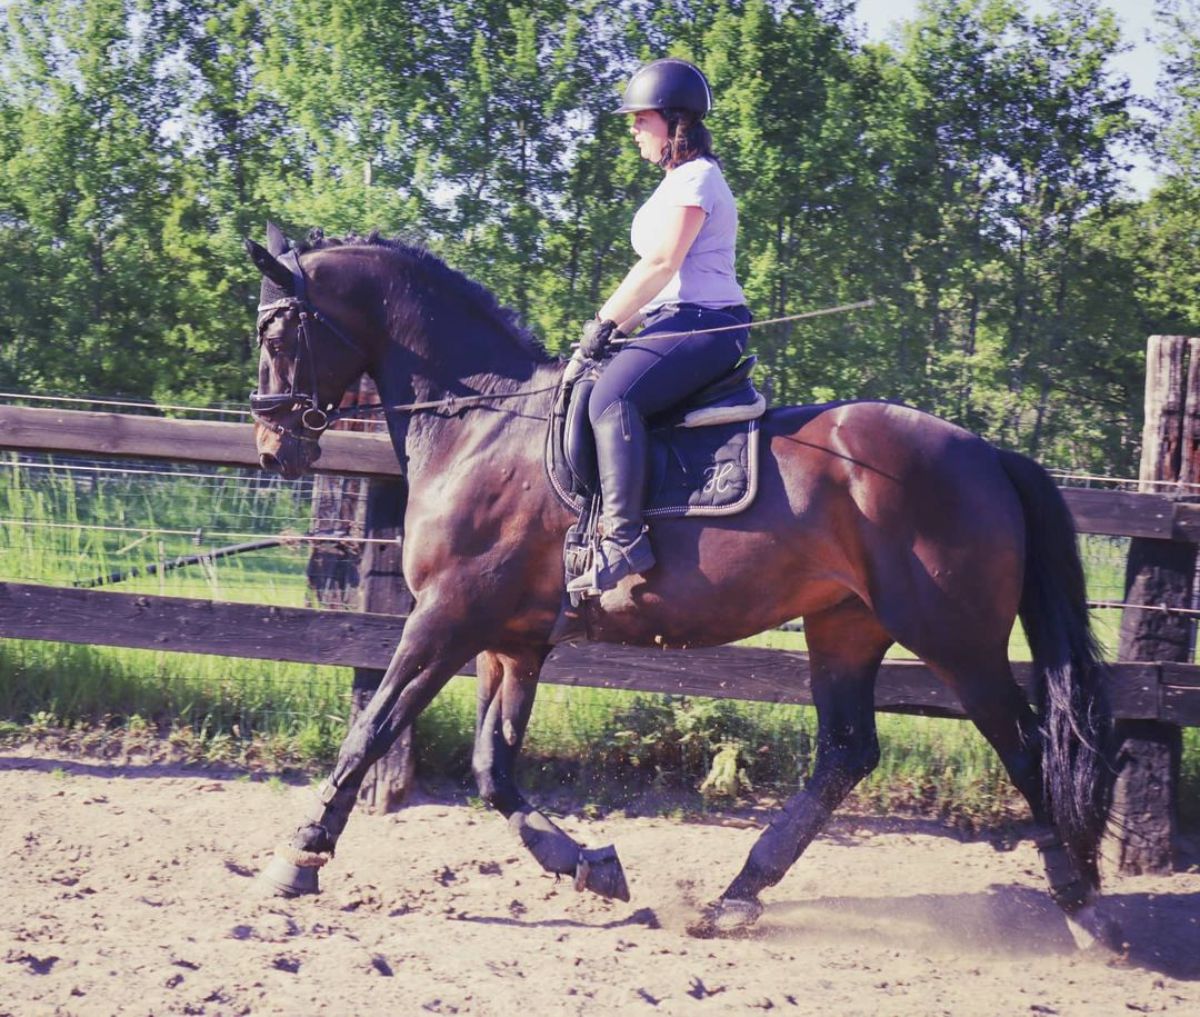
(1158, 692)
(1143, 691)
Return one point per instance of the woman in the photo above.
(685, 281)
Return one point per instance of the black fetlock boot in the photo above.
(621, 454)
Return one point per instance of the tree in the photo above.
(83, 186)
(222, 158)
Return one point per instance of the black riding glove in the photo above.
(597, 337)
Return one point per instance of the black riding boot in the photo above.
(621, 454)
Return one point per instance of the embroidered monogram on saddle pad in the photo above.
(703, 471)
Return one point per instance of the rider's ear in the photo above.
(269, 266)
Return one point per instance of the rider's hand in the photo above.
(597, 337)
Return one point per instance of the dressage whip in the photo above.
(841, 308)
(458, 403)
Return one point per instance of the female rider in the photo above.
(684, 281)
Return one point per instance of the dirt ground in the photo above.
(130, 889)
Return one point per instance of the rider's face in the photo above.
(649, 130)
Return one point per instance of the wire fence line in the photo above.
(146, 406)
(1069, 478)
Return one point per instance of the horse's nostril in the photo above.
(270, 463)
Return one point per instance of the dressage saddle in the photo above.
(732, 398)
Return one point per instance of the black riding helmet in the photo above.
(667, 84)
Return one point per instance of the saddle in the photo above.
(703, 454)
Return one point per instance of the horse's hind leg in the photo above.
(846, 645)
(998, 707)
(507, 685)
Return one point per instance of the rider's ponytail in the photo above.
(687, 139)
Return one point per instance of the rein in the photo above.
(315, 418)
(449, 403)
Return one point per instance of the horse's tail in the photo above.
(1068, 671)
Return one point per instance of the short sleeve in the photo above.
(690, 186)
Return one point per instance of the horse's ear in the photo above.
(277, 241)
(270, 267)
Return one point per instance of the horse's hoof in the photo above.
(285, 879)
(1094, 931)
(726, 918)
(600, 871)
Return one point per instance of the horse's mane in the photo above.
(478, 295)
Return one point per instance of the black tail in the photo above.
(1068, 671)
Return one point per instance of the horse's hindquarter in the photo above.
(940, 531)
(871, 500)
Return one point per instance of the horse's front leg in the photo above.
(507, 685)
(436, 644)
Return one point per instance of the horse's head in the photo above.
(312, 344)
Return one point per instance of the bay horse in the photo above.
(874, 522)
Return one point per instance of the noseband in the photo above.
(314, 417)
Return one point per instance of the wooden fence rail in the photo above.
(1140, 691)
(119, 436)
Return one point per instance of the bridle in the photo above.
(314, 417)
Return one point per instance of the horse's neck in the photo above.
(451, 356)
(509, 434)
(450, 347)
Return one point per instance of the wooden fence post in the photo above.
(367, 577)
(384, 591)
(1159, 573)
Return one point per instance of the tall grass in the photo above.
(605, 745)
(68, 523)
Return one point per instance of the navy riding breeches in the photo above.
(653, 374)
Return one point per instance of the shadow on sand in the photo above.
(121, 770)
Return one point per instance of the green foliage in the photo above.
(714, 744)
(966, 177)
(1189, 780)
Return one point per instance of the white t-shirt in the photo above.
(707, 276)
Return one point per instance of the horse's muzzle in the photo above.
(284, 455)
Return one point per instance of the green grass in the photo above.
(1189, 779)
(66, 526)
